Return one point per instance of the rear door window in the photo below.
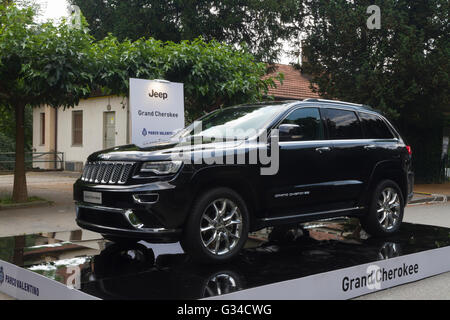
(342, 124)
(374, 127)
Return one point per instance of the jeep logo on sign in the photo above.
(156, 94)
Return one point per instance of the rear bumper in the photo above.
(115, 222)
(410, 186)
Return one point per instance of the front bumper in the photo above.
(160, 208)
(116, 222)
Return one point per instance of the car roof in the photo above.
(328, 103)
(321, 103)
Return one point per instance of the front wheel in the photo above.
(217, 228)
(385, 213)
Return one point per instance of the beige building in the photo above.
(94, 124)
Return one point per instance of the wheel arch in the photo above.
(387, 170)
(232, 178)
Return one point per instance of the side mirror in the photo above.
(289, 131)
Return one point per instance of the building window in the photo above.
(42, 129)
(77, 128)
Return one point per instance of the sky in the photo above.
(53, 9)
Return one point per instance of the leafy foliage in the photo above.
(57, 65)
(261, 25)
(402, 68)
(214, 74)
(7, 130)
(42, 64)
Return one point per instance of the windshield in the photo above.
(236, 122)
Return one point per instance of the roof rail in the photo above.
(332, 101)
(338, 102)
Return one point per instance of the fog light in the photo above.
(133, 219)
(149, 198)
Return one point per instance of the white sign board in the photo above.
(24, 284)
(354, 281)
(157, 110)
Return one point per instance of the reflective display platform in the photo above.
(83, 260)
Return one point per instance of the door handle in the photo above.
(323, 149)
(370, 147)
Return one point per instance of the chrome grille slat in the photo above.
(86, 168)
(94, 173)
(116, 173)
(125, 173)
(100, 173)
(88, 171)
(107, 172)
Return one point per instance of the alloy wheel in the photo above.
(388, 208)
(221, 226)
(219, 284)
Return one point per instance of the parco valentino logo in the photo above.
(2, 276)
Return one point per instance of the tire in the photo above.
(224, 218)
(386, 208)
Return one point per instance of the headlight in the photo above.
(161, 167)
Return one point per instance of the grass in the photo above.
(5, 200)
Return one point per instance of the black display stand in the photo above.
(327, 260)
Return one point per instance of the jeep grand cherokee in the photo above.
(334, 159)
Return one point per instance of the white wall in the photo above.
(93, 110)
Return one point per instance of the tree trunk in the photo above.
(20, 193)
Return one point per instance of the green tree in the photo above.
(59, 65)
(401, 68)
(214, 74)
(39, 65)
(262, 25)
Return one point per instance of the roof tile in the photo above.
(295, 84)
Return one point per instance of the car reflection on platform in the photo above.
(85, 261)
(132, 272)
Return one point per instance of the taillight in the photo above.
(409, 150)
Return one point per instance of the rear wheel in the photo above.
(218, 226)
(386, 208)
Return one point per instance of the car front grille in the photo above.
(107, 172)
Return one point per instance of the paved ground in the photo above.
(54, 186)
(57, 187)
(434, 188)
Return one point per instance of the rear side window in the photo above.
(342, 124)
(374, 127)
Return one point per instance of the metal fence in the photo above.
(33, 160)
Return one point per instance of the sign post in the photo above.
(157, 110)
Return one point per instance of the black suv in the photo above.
(248, 167)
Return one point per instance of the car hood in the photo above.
(157, 151)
